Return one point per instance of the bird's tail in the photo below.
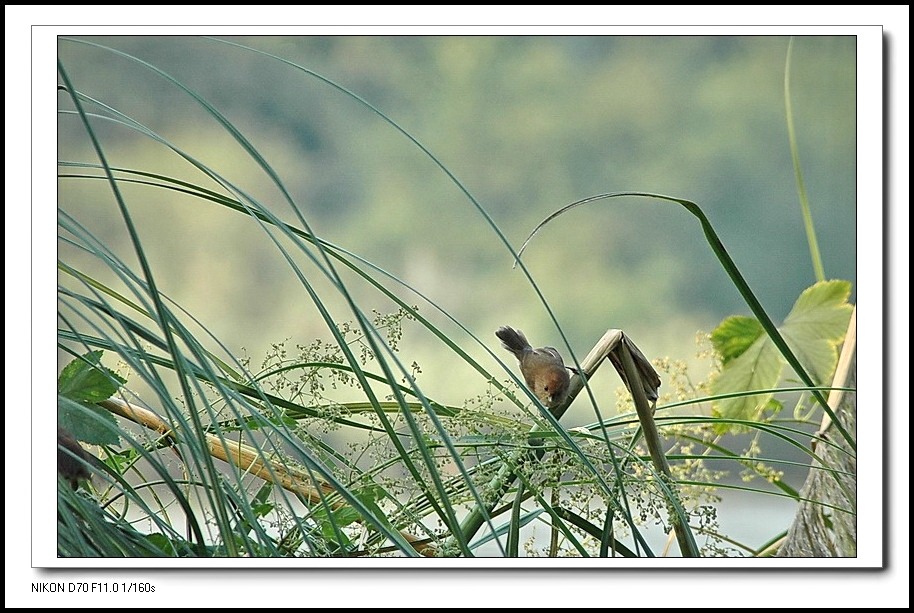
(513, 340)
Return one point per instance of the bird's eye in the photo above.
(546, 388)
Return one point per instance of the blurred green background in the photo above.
(527, 124)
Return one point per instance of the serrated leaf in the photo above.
(86, 380)
(814, 328)
(83, 383)
(735, 335)
(80, 420)
(757, 368)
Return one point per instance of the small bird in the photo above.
(543, 368)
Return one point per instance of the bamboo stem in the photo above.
(250, 459)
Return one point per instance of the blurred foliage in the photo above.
(527, 124)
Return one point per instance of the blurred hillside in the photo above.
(527, 124)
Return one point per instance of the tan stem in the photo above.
(250, 460)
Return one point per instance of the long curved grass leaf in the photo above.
(735, 276)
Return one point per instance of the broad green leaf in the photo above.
(82, 383)
(86, 380)
(814, 328)
(78, 419)
(735, 335)
(757, 368)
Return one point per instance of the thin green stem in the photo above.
(814, 254)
